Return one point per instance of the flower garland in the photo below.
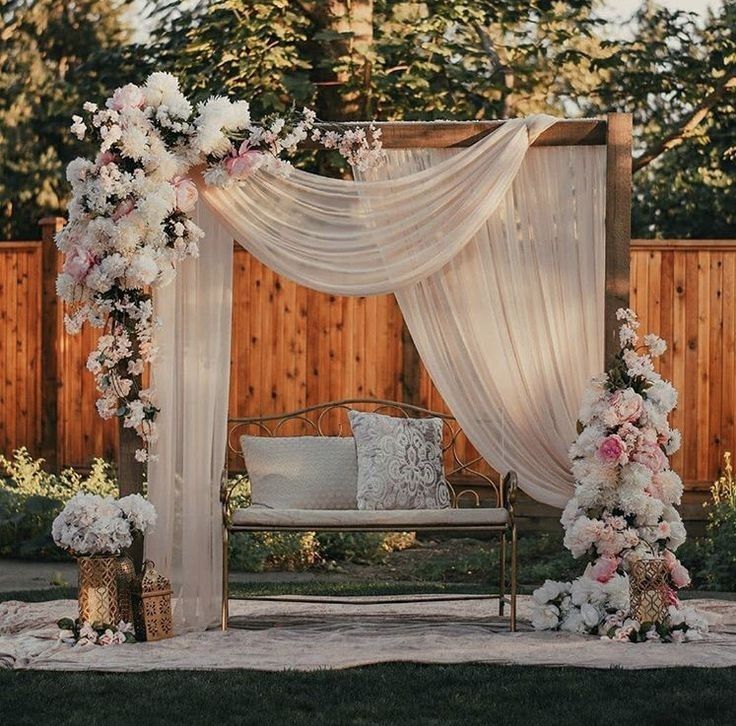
(130, 215)
(623, 508)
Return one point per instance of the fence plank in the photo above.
(283, 335)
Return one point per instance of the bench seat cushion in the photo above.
(386, 519)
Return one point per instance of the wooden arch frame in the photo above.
(613, 132)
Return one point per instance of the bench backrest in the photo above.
(468, 474)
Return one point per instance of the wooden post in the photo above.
(130, 480)
(410, 364)
(618, 224)
(52, 318)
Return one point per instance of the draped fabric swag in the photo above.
(496, 255)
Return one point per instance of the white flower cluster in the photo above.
(82, 634)
(623, 508)
(91, 524)
(130, 215)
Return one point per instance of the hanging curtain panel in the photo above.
(496, 255)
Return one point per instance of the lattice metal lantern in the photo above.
(152, 605)
(125, 581)
(98, 590)
(648, 588)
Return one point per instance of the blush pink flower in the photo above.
(612, 450)
(105, 158)
(129, 96)
(680, 575)
(604, 568)
(242, 164)
(651, 456)
(186, 193)
(624, 407)
(123, 209)
(78, 263)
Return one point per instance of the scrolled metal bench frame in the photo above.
(505, 490)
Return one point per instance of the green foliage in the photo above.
(30, 499)
(713, 558)
(53, 57)
(261, 551)
(388, 60)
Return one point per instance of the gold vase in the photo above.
(98, 590)
(648, 586)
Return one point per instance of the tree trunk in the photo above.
(344, 95)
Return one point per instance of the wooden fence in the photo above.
(293, 347)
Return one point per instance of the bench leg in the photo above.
(224, 614)
(513, 578)
(502, 574)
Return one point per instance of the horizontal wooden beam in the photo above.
(698, 245)
(20, 245)
(448, 134)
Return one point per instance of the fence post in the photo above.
(52, 314)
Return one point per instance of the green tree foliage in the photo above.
(53, 56)
(388, 60)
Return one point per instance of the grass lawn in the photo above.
(385, 694)
(394, 693)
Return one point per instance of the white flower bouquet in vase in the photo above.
(96, 530)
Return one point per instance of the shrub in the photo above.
(713, 559)
(30, 498)
(261, 551)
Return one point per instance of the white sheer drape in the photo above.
(496, 257)
(191, 377)
(511, 328)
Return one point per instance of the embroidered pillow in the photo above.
(399, 462)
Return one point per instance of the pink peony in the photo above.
(624, 407)
(604, 568)
(680, 575)
(244, 163)
(78, 262)
(129, 96)
(612, 450)
(663, 530)
(123, 209)
(651, 456)
(186, 193)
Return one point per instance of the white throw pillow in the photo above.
(399, 462)
(301, 472)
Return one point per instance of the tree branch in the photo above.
(689, 124)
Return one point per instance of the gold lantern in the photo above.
(98, 590)
(125, 578)
(152, 605)
(648, 586)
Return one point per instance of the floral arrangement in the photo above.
(91, 524)
(623, 508)
(75, 632)
(130, 220)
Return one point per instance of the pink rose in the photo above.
(78, 263)
(651, 456)
(604, 568)
(680, 575)
(186, 194)
(612, 450)
(244, 163)
(663, 530)
(123, 209)
(129, 96)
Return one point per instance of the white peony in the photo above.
(546, 617)
(663, 395)
(551, 590)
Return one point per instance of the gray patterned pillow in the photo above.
(399, 462)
